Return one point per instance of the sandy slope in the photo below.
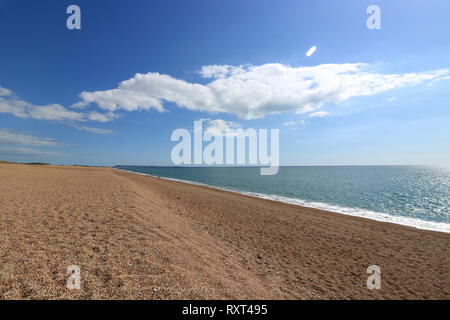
(140, 237)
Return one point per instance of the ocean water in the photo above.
(416, 196)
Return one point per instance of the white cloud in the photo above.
(5, 92)
(23, 109)
(28, 152)
(94, 130)
(220, 72)
(12, 138)
(246, 91)
(311, 51)
(319, 114)
(439, 79)
(13, 106)
(54, 112)
(9, 137)
(256, 90)
(102, 117)
(294, 123)
(221, 125)
(216, 126)
(147, 91)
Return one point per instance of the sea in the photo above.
(416, 196)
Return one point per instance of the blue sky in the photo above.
(364, 97)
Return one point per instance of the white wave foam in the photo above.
(356, 212)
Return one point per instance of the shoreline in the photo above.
(347, 211)
(137, 237)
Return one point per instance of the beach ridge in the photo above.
(142, 237)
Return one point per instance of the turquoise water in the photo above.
(411, 195)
